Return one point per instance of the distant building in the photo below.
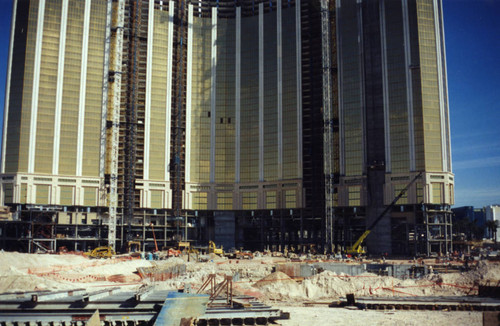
(469, 221)
(492, 213)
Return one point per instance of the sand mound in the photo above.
(276, 277)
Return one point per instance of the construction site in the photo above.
(232, 162)
(259, 288)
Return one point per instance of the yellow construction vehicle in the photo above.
(133, 246)
(101, 252)
(212, 249)
(357, 249)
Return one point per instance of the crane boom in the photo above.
(356, 248)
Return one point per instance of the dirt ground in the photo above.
(31, 272)
(341, 316)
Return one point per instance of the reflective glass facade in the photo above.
(393, 48)
(158, 121)
(221, 106)
(261, 108)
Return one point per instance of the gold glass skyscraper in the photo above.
(208, 119)
(394, 123)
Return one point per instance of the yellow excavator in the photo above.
(212, 249)
(101, 252)
(357, 249)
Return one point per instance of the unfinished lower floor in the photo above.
(410, 229)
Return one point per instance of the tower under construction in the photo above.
(276, 124)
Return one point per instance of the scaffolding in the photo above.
(113, 118)
(327, 123)
(178, 105)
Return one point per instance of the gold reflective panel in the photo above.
(89, 196)
(225, 200)
(271, 200)
(354, 195)
(93, 96)
(437, 193)
(290, 198)
(71, 87)
(249, 200)
(66, 195)
(199, 200)
(200, 101)
(24, 194)
(430, 88)
(42, 194)
(26, 105)
(48, 86)
(156, 198)
(8, 193)
(157, 135)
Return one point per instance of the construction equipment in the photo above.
(172, 252)
(185, 247)
(239, 254)
(133, 246)
(154, 237)
(357, 249)
(101, 252)
(212, 249)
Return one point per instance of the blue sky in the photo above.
(472, 30)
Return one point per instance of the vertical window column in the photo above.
(298, 40)
(189, 90)
(261, 91)
(409, 85)
(36, 83)
(83, 83)
(362, 96)
(280, 91)
(385, 85)
(213, 92)
(168, 108)
(340, 89)
(442, 113)
(149, 68)
(105, 90)
(238, 94)
(59, 90)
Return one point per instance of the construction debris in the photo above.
(271, 279)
